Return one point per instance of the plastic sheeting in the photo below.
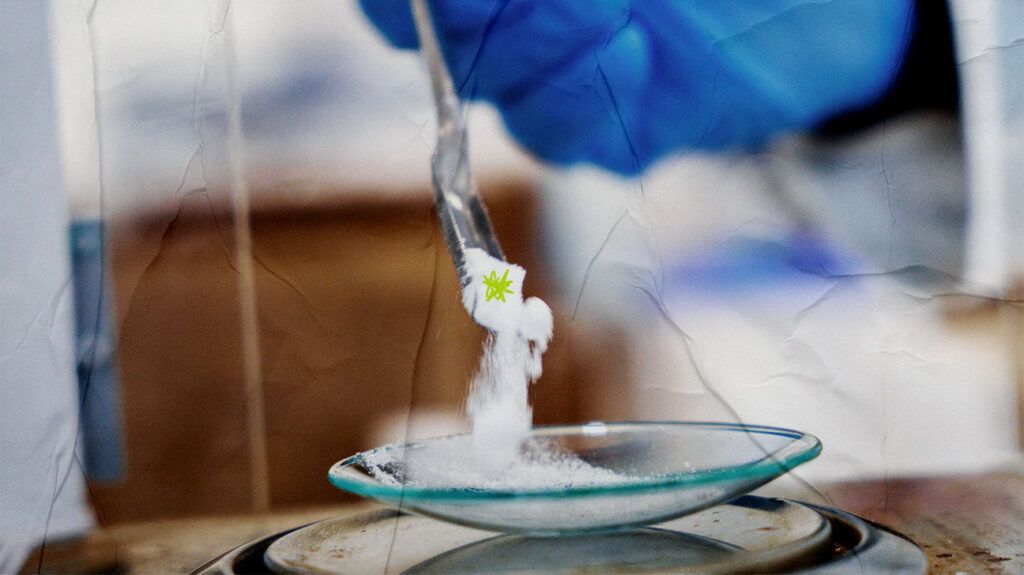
(811, 286)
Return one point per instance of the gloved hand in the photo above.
(622, 84)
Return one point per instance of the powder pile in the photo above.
(498, 404)
(448, 464)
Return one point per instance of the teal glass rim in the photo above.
(804, 447)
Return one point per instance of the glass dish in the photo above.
(649, 472)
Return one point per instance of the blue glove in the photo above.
(622, 84)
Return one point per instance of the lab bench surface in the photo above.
(968, 524)
(971, 524)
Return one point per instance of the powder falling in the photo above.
(498, 404)
(499, 453)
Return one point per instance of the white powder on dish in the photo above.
(498, 404)
(445, 463)
(498, 454)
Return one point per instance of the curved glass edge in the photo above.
(805, 447)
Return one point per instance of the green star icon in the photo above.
(497, 287)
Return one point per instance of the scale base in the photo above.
(750, 534)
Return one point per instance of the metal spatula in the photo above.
(461, 211)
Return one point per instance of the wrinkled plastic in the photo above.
(817, 287)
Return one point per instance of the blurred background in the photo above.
(848, 285)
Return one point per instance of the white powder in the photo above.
(498, 404)
(446, 463)
(498, 454)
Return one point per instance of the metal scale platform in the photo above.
(751, 534)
